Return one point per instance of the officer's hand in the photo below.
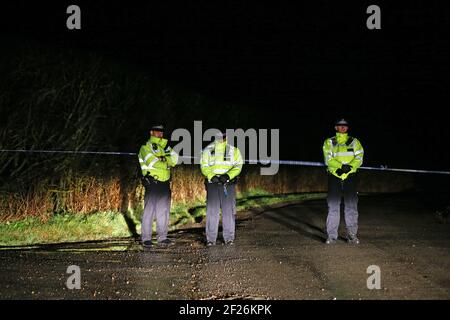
(346, 168)
(162, 158)
(215, 179)
(224, 178)
(146, 180)
(339, 172)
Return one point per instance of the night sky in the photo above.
(298, 68)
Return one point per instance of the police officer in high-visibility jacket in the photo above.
(221, 164)
(343, 156)
(156, 159)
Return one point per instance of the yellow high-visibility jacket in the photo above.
(342, 149)
(156, 158)
(220, 158)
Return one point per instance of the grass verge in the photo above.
(72, 227)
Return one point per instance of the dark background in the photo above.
(296, 68)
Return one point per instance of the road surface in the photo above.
(278, 254)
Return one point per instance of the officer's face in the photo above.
(341, 129)
(221, 137)
(158, 134)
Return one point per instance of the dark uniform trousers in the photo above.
(157, 206)
(337, 189)
(217, 199)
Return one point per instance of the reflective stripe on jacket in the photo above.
(156, 158)
(220, 158)
(342, 149)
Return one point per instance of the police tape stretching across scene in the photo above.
(221, 163)
(343, 156)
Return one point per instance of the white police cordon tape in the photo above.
(73, 151)
(263, 162)
(381, 168)
(321, 164)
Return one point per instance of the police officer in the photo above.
(221, 164)
(156, 159)
(343, 156)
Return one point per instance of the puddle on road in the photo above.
(75, 250)
(74, 247)
(19, 248)
(120, 245)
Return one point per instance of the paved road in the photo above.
(279, 254)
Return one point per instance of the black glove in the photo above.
(346, 168)
(224, 178)
(339, 172)
(147, 180)
(215, 179)
(162, 158)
